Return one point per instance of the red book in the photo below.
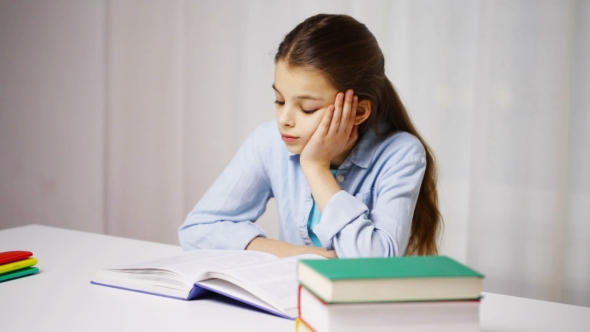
(418, 316)
(13, 256)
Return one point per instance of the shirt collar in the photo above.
(362, 154)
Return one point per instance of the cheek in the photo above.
(307, 131)
(314, 120)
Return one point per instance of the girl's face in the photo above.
(302, 97)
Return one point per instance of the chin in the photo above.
(294, 149)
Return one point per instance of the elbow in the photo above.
(389, 247)
(193, 237)
(195, 232)
(375, 243)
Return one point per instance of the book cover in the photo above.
(414, 278)
(391, 267)
(301, 326)
(18, 273)
(435, 316)
(21, 264)
(13, 256)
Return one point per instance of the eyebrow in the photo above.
(299, 97)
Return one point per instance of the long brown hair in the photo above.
(348, 54)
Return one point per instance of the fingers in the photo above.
(347, 109)
(325, 124)
(338, 104)
(344, 112)
(351, 116)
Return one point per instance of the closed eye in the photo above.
(281, 103)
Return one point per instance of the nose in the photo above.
(285, 117)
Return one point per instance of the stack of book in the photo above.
(16, 264)
(422, 293)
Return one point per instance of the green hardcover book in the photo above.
(414, 278)
(18, 273)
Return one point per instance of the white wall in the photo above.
(94, 131)
(52, 111)
(144, 142)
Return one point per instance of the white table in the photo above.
(61, 298)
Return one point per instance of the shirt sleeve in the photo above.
(224, 217)
(352, 230)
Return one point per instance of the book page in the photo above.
(193, 264)
(274, 281)
(238, 293)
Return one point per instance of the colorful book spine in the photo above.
(16, 264)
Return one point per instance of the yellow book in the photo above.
(18, 265)
(300, 326)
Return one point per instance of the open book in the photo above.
(256, 278)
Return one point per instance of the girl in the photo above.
(350, 174)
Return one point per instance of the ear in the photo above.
(363, 110)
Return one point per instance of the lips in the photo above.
(288, 138)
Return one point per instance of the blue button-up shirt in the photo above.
(370, 217)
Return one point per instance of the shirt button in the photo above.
(340, 178)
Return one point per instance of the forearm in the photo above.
(226, 235)
(284, 249)
(352, 234)
(322, 184)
